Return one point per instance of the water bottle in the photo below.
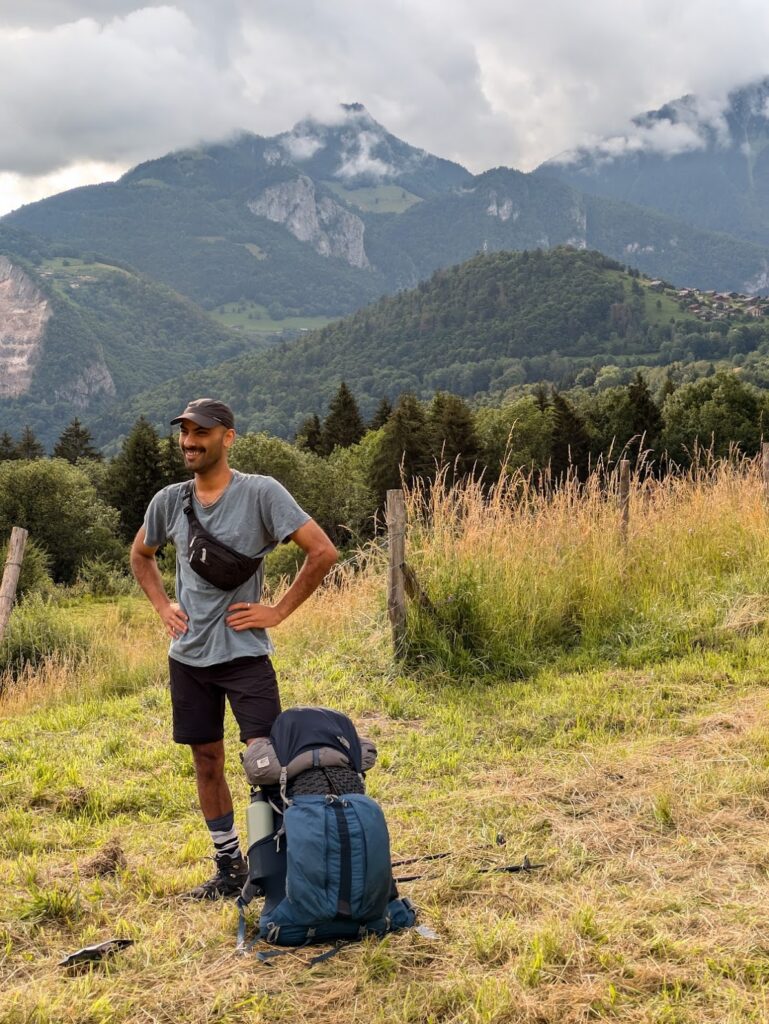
(259, 821)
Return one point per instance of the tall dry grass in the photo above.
(520, 573)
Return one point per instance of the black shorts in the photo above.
(198, 692)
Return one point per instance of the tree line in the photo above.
(79, 506)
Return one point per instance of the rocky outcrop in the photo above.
(93, 380)
(325, 225)
(502, 208)
(24, 312)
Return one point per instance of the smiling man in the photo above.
(219, 644)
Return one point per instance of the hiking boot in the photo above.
(231, 875)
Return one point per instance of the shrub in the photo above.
(103, 579)
(38, 630)
(35, 576)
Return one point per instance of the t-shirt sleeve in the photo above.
(155, 521)
(281, 515)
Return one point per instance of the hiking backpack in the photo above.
(325, 870)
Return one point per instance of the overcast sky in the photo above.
(92, 87)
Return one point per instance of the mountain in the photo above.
(491, 324)
(322, 220)
(78, 335)
(699, 160)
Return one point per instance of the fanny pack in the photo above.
(214, 561)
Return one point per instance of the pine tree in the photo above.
(8, 449)
(75, 443)
(646, 419)
(382, 414)
(405, 444)
(172, 467)
(453, 437)
(541, 397)
(344, 425)
(29, 447)
(134, 476)
(310, 435)
(570, 445)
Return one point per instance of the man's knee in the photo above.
(209, 760)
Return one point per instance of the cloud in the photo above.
(117, 92)
(357, 158)
(485, 83)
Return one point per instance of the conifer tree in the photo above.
(134, 476)
(172, 467)
(541, 396)
(570, 445)
(646, 419)
(75, 443)
(405, 443)
(344, 425)
(310, 435)
(381, 415)
(453, 437)
(8, 449)
(29, 447)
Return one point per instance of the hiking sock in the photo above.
(224, 835)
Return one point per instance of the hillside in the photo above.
(324, 219)
(80, 334)
(495, 322)
(705, 164)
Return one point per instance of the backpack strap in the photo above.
(344, 900)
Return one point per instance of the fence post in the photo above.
(396, 548)
(765, 466)
(11, 575)
(624, 497)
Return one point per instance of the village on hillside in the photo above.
(713, 305)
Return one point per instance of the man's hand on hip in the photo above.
(174, 619)
(252, 616)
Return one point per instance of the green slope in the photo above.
(110, 320)
(491, 323)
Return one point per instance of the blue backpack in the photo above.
(325, 872)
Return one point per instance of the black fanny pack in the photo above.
(215, 562)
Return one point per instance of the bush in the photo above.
(59, 506)
(38, 630)
(103, 579)
(35, 576)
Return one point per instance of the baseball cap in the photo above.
(207, 412)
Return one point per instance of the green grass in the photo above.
(251, 318)
(641, 787)
(376, 199)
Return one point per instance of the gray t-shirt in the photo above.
(253, 515)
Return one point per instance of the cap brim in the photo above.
(196, 417)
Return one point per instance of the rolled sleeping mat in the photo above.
(262, 768)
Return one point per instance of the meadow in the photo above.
(597, 705)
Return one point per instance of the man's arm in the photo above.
(320, 556)
(145, 569)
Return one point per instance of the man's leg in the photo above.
(198, 709)
(213, 791)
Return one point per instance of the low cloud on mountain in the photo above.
(112, 82)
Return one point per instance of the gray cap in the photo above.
(207, 412)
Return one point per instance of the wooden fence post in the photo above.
(396, 548)
(11, 575)
(765, 467)
(624, 497)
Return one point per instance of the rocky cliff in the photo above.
(24, 312)
(318, 220)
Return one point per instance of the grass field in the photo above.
(642, 787)
(377, 198)
(251, 318)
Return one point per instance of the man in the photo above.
(219, 645)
